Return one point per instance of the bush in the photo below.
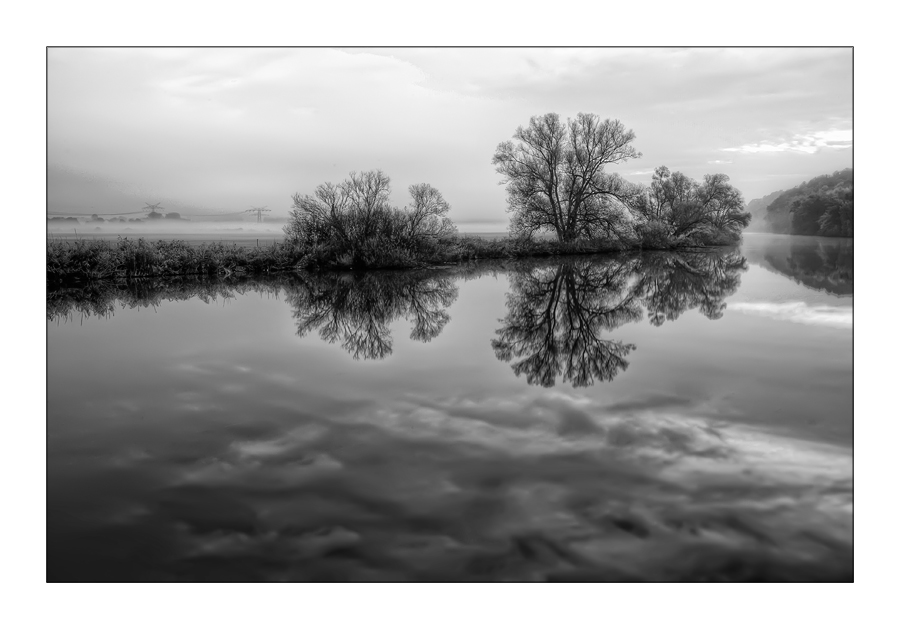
(353, 224)
(655, 235)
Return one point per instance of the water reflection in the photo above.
(824, 264)
(196, 453)
(357, 311)
(671, 284)
(556, 318)
(102, 299)
(558, 313)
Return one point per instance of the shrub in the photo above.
(353, 224)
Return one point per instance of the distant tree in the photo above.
(173, 215)
(683, 206)
(824, 212)
(555, 178)
(779, 215)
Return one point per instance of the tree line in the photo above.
(822, 206)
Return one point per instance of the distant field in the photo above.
(245, 236)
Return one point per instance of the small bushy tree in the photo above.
(354, 224)
(676, 208)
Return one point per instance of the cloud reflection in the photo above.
(800, 312)
(459, 488)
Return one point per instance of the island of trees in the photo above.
(557, 184)
(562, 199)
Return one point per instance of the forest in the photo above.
(822, 206)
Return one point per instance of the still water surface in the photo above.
(634, 417)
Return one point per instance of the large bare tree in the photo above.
(555, 177)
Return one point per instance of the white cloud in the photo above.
(801, 143)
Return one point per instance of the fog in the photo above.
(165, 229)
(240, 231)
(221, 130)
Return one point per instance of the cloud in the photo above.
(801, 143)
(232, 128)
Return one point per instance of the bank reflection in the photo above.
(560, 315)
(356, 311)
(102, 299)
(823, 264)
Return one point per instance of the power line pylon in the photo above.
(259, 212)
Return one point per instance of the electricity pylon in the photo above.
(259, 212)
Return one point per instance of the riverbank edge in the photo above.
(78, 261)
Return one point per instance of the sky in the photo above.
(213, 130)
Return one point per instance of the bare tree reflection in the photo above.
(670, 284)
(557, 315)
(357, 310)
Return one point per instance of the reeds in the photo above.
(92, 260)
(79, 261)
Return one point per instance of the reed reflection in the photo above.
(558, 314)
(357, 311)
(102, 299)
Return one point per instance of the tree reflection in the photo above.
(556, 317)
(819, 263)
(671, 284)
(557, 314)
(357, 311)
(826, 264)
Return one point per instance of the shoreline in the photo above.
(85, 260)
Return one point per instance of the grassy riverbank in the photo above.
(76, 261)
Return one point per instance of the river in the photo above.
(656, 416)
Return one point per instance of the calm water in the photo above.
(636, 417)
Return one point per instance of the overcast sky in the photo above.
(222, 130)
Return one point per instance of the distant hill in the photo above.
(822, 206)
(757, 209)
